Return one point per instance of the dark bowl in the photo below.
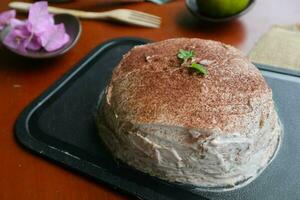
(194, 8)
(73, 28)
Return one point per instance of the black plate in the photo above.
(59, 125)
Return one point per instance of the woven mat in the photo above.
(279, 47)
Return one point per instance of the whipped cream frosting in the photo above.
(178, 154)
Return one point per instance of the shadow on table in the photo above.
(232, 32)
(11, 61)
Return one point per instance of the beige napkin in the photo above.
(279, 47)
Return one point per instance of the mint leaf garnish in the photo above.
(185, 55)
(188, 61)
(199, 68)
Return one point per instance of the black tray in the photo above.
(59, 125)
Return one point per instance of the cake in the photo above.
(217, 131)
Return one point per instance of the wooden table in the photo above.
(25, 176)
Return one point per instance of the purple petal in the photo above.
(54, 38)
(39, 17)
(20, 38)
(34, 44)
(5, 18)
(16, 39)
(17, 22)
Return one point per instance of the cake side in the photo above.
(172, 154)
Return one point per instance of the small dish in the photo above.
(194, 8)
(73, 28)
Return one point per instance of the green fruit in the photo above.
(221, 8)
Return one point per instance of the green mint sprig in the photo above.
(186, 55)
(199, 68)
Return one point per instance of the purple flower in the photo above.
(34, 43)
(6, 17)
(17, 22)
(39, 18)
(19, 36)
(36, 32)
(54, 38)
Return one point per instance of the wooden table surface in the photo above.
(25, 176)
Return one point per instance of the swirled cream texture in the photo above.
(205, 158)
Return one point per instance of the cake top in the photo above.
(150, 85)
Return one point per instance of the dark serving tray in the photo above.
(59, 125)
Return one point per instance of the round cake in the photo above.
(215, 129)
